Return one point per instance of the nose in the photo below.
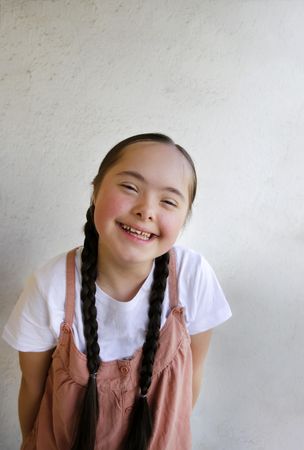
(144, 210)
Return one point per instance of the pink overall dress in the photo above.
(169, 396)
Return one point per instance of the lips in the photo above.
(141, 234)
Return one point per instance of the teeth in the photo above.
(142, 234)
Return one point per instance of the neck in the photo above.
(121, 281)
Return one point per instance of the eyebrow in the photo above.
(139, 177)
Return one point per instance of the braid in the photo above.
(141, 426)
(89, 274)
(156, 300)
(86, 432)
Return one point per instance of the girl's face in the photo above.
(142, 203)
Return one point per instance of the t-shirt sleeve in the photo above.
(205, 303)
(28, 327)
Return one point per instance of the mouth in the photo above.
(139, 234)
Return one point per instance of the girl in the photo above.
(113, 336)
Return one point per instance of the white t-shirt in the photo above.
(34, 324)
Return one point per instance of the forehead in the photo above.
(159, 163)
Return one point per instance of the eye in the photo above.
(129, 187)
(170, 203)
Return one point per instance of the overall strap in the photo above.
(173, 291)
(70, 287)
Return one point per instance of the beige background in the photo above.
(225, 80)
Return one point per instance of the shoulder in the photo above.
(193, 270)
(190, 263)
(34, 323)
(52, 274)
(199, 291)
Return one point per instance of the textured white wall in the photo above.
(224, 79)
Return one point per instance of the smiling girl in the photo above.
(112, 336)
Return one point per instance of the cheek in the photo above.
(109, 207)
(171, 225)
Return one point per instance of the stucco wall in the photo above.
(225, 80)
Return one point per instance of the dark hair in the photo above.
(141, 421)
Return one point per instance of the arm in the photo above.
(199, 347)
(34, 368)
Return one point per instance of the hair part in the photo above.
(141, 419)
